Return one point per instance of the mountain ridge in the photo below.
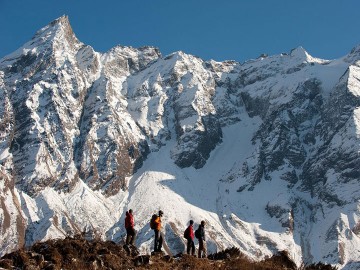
(85, 135)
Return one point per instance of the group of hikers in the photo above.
(155, 224)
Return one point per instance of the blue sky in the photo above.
(212, 29)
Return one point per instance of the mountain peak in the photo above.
(299, 52)
(58, 30)
(61, 23)
(58, 34)
(354, 55)
(64, 19)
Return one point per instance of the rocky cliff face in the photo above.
(77, 127)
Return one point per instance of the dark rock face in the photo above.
(281, 134)
(197, 145)
(255, 106)
(334, 154)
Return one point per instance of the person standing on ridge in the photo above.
(158, 237)
(202, 242)
(189, 235)
(129, 226)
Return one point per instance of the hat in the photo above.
(191, 222)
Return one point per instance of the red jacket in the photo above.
(129, 221)
(191, 232)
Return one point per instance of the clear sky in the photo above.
(211, 29)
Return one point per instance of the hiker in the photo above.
(158, 237)
(129, 226)
(189, 235)
(200, 235)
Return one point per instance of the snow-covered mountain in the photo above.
(267, 151)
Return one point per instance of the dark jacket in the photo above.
(202, 232)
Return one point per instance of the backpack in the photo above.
(152, 222)
(187, 233)
(198, 233)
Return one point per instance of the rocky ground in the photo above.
(79, 253)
